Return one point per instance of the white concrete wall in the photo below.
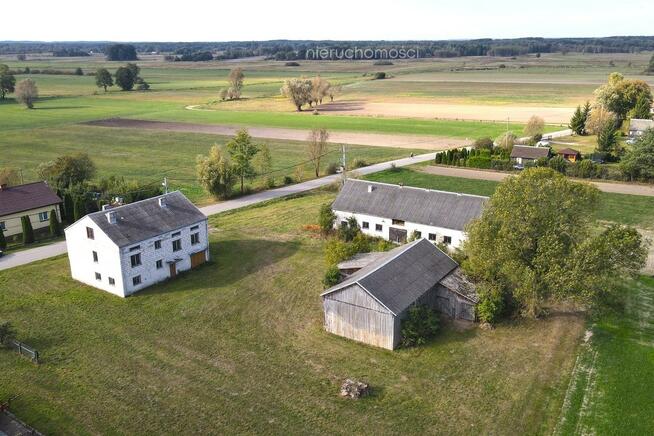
(457, 236)
(115, 262)
(13, 225)
(80, 256)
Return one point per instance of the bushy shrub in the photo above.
(7, 332)
(420, 325)
(359, 163)
(559, 163)
(380, 75)
(326, 218)
(501, 164)
(483, 143)
(288, 180)
(491, 305)
(394, 168)
(479, 162)
(332, 276)
(349, 229)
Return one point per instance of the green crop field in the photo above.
(238, 347)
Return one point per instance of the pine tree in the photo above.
(586, 115)
(28, 231)
(55, 228)
(3, 241)
(607, 139)
(577, 121)
(643, 109)
(69, 208)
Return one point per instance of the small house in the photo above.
(570, 154)
(523, 154)
(371, 302)
(397, 213)
(638, 126)
(125, 249)
(35, 200)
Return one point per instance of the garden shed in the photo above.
(369, 305)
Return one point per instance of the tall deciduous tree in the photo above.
(317, 147)
(27, 92)
(235, 79)
(242, 150)
(215, 173)
(103, 79)
(125, 78)
(7, 81)
(534, 244)
(598, 118)
(298, 91)
(67, 170)
(620, 95)
(535, 125)
(638, 161)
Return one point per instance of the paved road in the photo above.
(32, 255)
(617, 188)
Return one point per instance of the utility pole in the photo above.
(343, 161)
(22, 182)
(165, 185)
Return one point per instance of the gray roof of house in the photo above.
(449, 210)
(145, 219)
(640, 124)
(401, 277)
(529, 152)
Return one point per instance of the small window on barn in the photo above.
(95, 256)
(378, 227)
(195, 238)
(157, 245)
(447, 240)
(134, 248)
(365, 225)
(89, 233)
(98, 276)
(176, 234)
(135, 259)
(195, 228)
(432, 236)
(112, 282)
(159, 264)
(136, 280)
(398, 222)
(177, 244)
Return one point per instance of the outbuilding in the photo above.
(125, 249)
(523, 154)
(34, 200)
(639, 126)
(371, 302)
(570, 154)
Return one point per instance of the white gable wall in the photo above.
(457, 235)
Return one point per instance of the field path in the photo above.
(350, 138)
(32, 255)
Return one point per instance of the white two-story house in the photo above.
(397, 213)
(127, 248)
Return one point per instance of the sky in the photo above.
(198, 20)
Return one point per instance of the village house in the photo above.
(125, 249)
(638, 126)
(570, 154)
(371, 302)
(397, 213)
(524, 154)
(35, 200)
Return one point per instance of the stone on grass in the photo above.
(354, 389)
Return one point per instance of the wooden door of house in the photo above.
(397, 235)
(173, 270)
(198, 259)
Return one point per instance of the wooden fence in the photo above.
(25, 350)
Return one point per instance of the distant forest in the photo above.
(294, 50)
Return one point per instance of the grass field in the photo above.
(626, 209)
(238, 347)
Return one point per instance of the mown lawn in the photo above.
(633, 210)
(238, 347)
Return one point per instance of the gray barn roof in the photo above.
(398, 279)
(417, 205)
(145, 219)
(529, 152)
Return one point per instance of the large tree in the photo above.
(638, 161)
(598, 119)
(103, 79)
(215, 173)
(68, 170)
(27, 92)
(535, 243)
(7, 81)
(235, 79)
(317, 147)
(298, 91)
(125, 78)
(607, 140)
(535, 125)
(121, 52)
(242, 150)
(620, 95)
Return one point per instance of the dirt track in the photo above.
(352, 138)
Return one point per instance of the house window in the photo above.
(95, 256)
(135, 259)
(159, 264)
(176, 234)
(398, 222)
(343, 223)
(417, 234)
(365, 225)
(177, 244)
(447, 240)
(134, 248)
(157, 245)
(112, 282)
(432, 236)
(195, 238)
(3, 225)
(43, 216)
(89, 233)
(136, 280)
(378, 227)
(195, 228)
(98, 276)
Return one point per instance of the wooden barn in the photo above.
(369, 304)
